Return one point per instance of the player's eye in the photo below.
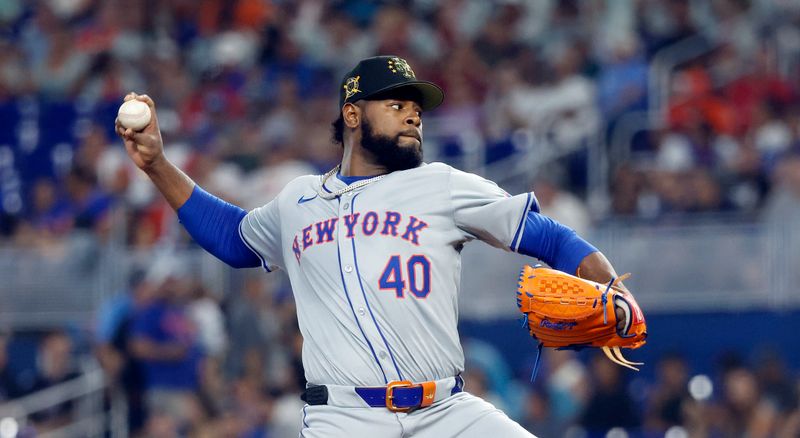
(397, 106)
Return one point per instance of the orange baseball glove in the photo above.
(567, 312)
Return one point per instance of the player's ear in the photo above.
(351, 114)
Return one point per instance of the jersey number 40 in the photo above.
(417, 273)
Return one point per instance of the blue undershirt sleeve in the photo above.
(553, 243)
(214, 225)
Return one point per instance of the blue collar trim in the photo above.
(351, 179)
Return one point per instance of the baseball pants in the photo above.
(462, 415)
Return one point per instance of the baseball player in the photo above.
(372, 250)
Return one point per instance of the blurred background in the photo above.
(665, 132)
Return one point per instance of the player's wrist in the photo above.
(156, 165)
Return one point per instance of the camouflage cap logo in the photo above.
(399, 65)
(351, 87)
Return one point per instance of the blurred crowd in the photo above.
(598, 399)
(246, 91)
(191, 366)
(188, 369)
(179, 362)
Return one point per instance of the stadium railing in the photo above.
(690, 263)
(90, 416)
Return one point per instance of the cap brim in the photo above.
(430, 95)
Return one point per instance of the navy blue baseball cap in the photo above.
(384, 77)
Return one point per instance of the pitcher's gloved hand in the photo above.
(567, 312)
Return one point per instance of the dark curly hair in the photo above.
(337, 131)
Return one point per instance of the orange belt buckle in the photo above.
(390, 397)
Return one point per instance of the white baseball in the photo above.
(134, 114)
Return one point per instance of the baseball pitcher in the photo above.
(373, 252)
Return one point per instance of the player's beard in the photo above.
(387, 152)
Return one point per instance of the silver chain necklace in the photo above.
(356, 185)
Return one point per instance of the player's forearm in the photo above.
(175, 185)
(596, 267)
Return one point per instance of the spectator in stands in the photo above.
(205, 313)
(9, 388)
(664, 23)
(609, 406)
(480, 386)
(706, 192)
(622, 80)
(743, 411)
(61, 73)
(252, 406)
(89, 204)
(571, 110)
(628, 190)
(13, 77)
(538, 417)
(756, 84)
(50, 214)
(55, 366)
(776, 383)
(335, 42)
(162, 425)
(567, 385)
(165, 340)
(695, 106)
(559, 204)
(254, 329)
(113, 333)
(561, 103)
(495, 42)
(668, 404)
(50, 218)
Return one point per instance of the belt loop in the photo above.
(428, 393)
(459, 386)
(315, 395)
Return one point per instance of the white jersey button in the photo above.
(382, 355)
(361, 311)
(348, 268)
(346, 206)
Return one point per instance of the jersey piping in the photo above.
(363, 292)
(241, 236)
(515, 243)
(350, 302)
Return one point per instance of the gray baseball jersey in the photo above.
(376, 271)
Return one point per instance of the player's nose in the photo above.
(414, 119)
